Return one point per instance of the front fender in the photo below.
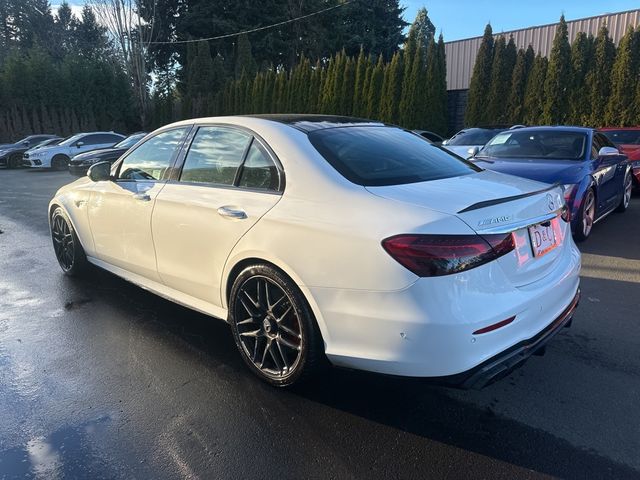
(75, 202)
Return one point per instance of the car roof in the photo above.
(100, 133)
(308, 123)
(299, 122)
(554, 127)
(630, 129)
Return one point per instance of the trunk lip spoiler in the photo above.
(498, 201)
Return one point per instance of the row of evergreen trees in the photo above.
(589, 82)
(58, 73)
(407, 89)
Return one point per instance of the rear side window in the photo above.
(107, 138)
(259, 171)
(376, 156)
(215, 155)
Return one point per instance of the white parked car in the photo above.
(58, 156)
(333, 238)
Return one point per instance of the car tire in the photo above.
(66, 245)
(586, 216)
(14, 161)
(274, 327)
(627, 189)
(60, 162)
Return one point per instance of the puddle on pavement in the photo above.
(65, 453)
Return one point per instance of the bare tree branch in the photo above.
(131, 35)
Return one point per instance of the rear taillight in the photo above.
(436, 255)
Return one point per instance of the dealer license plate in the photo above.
(543, 238)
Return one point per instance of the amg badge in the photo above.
(490, 221)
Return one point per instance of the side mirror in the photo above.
(606, 151)
(473, 151)
(100, 172)
(79, 144)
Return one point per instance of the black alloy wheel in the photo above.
(69, 252)
(273, 326)
(14, 161)
(60, 162)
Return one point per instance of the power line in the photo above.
(254, 29)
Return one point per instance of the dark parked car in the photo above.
(596, 177)
(432, 137)
(628, 142)
(467, 142)
(11, 153)
(81, 163)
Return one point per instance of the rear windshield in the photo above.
(623, 137)
(376, 156)
(545, 144)
(474, 136)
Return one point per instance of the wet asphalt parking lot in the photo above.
(100, 379)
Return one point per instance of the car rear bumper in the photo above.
(432, 328)
(504, 363)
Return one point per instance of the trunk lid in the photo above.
(490, 202)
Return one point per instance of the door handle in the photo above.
(229, 212)
(143, 197)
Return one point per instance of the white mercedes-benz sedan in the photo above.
(331, 240)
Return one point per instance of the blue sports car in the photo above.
(596, 176)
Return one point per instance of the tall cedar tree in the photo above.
(504, 59)
(581, 64)
(358, 90)
(476, 112)
(621, 110)
(413, 95)
(440, 104)
(521, 70)
(244, 58)
(391, 90)
(420, 35)
(534, 93)
(346, 88)
(558, 83)
(200, 76)
(599, 77)
(375, 87)
(436, 78)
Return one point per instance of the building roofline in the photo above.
(495, 34)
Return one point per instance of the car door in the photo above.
(605, 174)
(229, 180)
(120, 210)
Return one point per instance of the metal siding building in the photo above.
(461, 54)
